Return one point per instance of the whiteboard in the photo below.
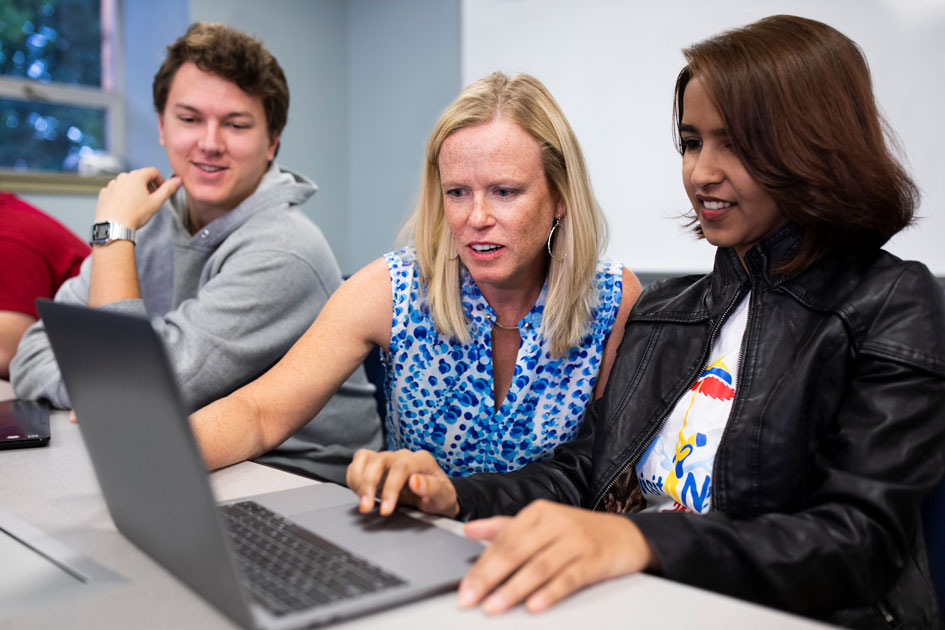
(612, 66)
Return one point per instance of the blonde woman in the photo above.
(498, 323)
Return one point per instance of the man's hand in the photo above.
(547, 552)
(132, 198)
(406, 477)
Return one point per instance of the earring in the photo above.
(550, 234)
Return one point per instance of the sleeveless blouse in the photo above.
(440, 391)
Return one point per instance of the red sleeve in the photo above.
(24, 276)
(37, 254)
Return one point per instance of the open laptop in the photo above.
(135, 427)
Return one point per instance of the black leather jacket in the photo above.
(836, 433)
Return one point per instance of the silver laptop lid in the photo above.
(154, 482)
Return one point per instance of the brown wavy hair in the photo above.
(232, 55)
(797, 100)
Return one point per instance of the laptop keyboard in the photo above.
(288, 568)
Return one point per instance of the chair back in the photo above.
(375, 373)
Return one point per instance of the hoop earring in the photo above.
(550, 234)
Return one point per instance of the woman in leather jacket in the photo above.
(769, 429)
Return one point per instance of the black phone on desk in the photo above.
(23, 423)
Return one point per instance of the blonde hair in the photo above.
(578, 242)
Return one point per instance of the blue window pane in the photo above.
(38, 136)
(52, 40)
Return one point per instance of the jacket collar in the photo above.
(820, 285)
(688, 299)
(761, 259)
(729, 275)
(823, 285)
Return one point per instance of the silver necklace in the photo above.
(495, 322)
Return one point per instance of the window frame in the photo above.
(110, 98)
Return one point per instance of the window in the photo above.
(59, 88)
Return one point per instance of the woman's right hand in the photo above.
(407, 477)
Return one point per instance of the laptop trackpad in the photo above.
(412, 549)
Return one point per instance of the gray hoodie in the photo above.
(229, 301)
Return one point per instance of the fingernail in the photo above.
(494, 604)
(467, 596)
(536, 603)
(387, 506)
(366, 503)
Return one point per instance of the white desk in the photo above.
(54, 489)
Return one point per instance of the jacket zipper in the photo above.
(888, 617)
(659, 427)
(738, 376)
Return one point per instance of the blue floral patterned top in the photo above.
(440, 392)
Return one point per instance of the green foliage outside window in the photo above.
(50, 42)
(43, 137)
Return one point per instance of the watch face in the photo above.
(100, 231)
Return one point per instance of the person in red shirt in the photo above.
(37, 254)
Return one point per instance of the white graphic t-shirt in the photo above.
(675, 471)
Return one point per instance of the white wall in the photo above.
(404, 68)
(612, 65)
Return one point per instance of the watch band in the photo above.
(104, 232)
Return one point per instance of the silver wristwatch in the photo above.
(104, 232)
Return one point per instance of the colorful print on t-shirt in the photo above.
(675, 471)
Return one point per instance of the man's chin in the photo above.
(204, 195)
